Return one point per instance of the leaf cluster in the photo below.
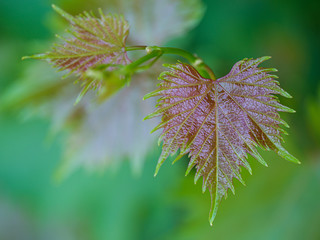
(216, 122)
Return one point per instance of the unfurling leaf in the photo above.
(94, 42)
(218, 122)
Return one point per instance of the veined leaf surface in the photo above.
(219, 122)
(95, 41)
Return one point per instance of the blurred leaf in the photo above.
(112, 131)
(219, 122)
(153, 22)
(42, 92)
(39, 82)
(100, 132)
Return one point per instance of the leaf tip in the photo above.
(146, 118)
(283, 153)
(57, 9)
(78, 99)
(62, 13)
(188, 171)
(196, 177)
(190, 166)
(162, 158)
(178, 157)
(265, 58)
(213, 213)
(157, 170)
(36, 56)
(153, 130)
(204, 187)
(285, 94)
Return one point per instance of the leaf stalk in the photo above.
(155, 51)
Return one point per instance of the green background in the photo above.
(279, 202)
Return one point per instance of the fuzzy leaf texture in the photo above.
(219, 122)
(94, 42)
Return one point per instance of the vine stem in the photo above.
(155, 51)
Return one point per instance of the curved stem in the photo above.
(133, 48)
(195, 61)
(143, 59)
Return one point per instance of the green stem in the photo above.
(133, 48)
(134, 65)
(195, 61)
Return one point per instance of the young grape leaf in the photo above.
(94, 42)
(218, 122)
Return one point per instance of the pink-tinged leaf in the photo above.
(94, 41)
(219, 122)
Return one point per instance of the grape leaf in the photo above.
(219, 122)
(94, 42)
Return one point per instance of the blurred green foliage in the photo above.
(279, 202)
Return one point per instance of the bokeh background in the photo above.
(279, 202)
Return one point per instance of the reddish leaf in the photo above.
(94, 41)
(218, 122)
